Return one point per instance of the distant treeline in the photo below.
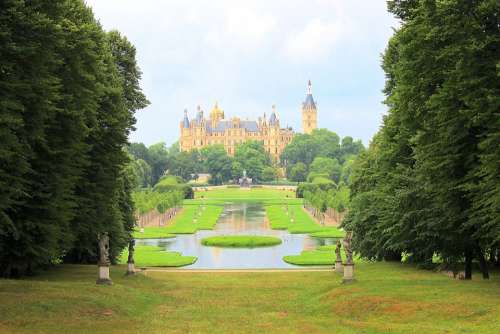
(68, 93)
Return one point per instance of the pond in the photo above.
(239, 219)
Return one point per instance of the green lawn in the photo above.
(302, 221)
(387, 298)
(153, 233)
(152, 256)
(262, 195)
(323, 255)
(184, 223)
(249, 241)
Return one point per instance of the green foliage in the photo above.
(217, 163)
(298, 172)
(252, 157)
(325, 166)
(153, 256)
(148, 200)
(238, 241)
(174, 184)
(269, 174)
(66, 112)
(429, 181)
(323, 143)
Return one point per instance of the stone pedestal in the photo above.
(103, 277)
(130, 269)
(348, 273)
(338, 267)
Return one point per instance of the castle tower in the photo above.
(216, 115)
(309, 112)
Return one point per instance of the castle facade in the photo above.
(199, 132)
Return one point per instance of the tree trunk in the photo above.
(483, 265)
(468, 263)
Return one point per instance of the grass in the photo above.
(262, 195)
(329, 232)
(153, 233)
(387, 298)
(152, 256)
(248, 241)
(311, 258)
(302, 221)
(184, 222)
(323, 255)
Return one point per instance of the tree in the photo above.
(141, 173)
(420, 189)
(253, 158)
(139, 151)
(184, 164)
(269, 174)
(328, 166)
(159, 158)
(298, 172)
(217, 163)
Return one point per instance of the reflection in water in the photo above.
(239, 219)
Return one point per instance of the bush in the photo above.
(172, 184)
(313, 187)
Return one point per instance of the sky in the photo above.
(250, 55)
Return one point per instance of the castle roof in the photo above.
(273, 120)
(221, 126)
(309, 102)
(185, 121)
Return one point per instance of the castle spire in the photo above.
(309, 87)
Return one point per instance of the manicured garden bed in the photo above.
(247, 241)
(152, 256)
(153, 233)
(194, 217)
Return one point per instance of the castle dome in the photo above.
(216, 112)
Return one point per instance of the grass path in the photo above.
(387, 298)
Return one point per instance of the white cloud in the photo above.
(314, 42)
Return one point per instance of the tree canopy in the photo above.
(68, 95)
(428, 184)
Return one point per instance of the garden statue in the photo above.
(245, 182)
(103, 263)
(338, 260)
(348, 248)
(130, 261)
(103, 240)
(349, 265)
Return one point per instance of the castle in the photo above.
(200, 132)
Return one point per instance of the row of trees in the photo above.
(429, 183)
(149, 164)
(320, 154)
(68, 93)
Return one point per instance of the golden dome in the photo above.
(216, 112)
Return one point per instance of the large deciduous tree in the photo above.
(429, 183)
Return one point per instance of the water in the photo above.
(239, 219)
